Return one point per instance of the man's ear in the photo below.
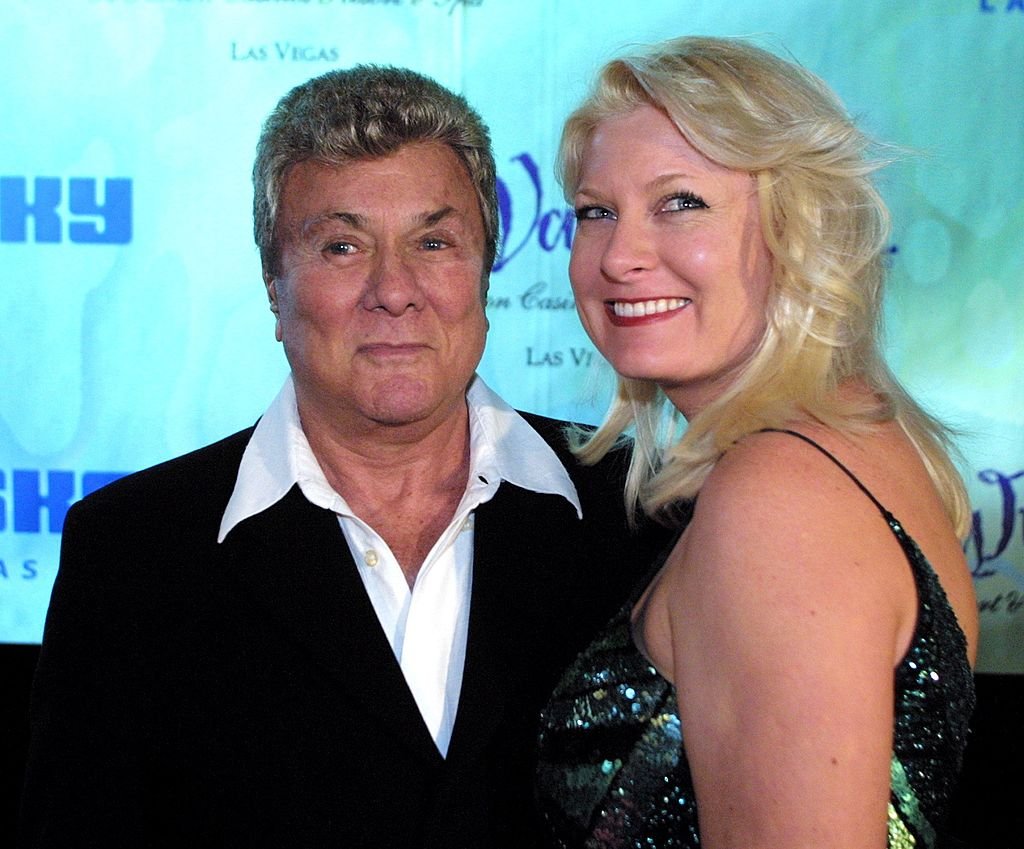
(271, 283)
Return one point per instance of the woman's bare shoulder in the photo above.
(780, 479)
(780, 527)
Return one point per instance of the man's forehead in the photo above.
(431, 160)
(361, 220)
(418, 185)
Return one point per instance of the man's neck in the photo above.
(404, 481)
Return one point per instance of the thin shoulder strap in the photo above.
(885, 513)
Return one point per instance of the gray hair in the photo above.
(367, 112)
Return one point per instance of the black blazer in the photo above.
(191, 694)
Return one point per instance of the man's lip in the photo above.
(388, 349)
(625, 312)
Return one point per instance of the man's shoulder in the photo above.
(201, 476)
(599, 486)
(559, 433)
(552, 430)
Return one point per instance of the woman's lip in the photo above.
(644, 311)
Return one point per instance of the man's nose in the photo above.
(392, 283)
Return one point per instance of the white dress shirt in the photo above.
(426, 625)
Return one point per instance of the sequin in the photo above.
(613, 769)
(899, 835)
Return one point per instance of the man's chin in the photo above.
(404, 401)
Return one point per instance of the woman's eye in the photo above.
(684, 200)
(592, 213)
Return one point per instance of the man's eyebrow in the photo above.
(352, 219)
(432, 218)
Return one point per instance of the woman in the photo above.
(798, 670)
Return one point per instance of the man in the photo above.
(336, 628)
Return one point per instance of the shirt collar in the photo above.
(503, 447)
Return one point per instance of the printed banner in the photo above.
(135, 321)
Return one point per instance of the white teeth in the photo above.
(639, 309)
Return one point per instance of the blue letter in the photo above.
(505, 210)
(3, 504)
(985, 7)
(566, 222)
(116, 211)
(15, 209)
(1009, 517)
(28, 500)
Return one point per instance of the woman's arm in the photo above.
(788, 603)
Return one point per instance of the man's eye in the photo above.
(341, 248)
(592, 213)
(684, 200)
(433, 243)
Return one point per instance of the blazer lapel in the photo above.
(514, 535)
(292, 565)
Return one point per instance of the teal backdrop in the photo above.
(135, 325)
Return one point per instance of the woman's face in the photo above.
(669, 267)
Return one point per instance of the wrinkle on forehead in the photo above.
(359, 221)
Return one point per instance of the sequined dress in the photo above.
(613, 769)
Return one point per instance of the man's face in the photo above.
(379, 292)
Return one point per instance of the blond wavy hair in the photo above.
(826, 228)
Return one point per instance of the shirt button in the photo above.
(370, 557)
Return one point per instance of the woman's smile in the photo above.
(624, 313)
